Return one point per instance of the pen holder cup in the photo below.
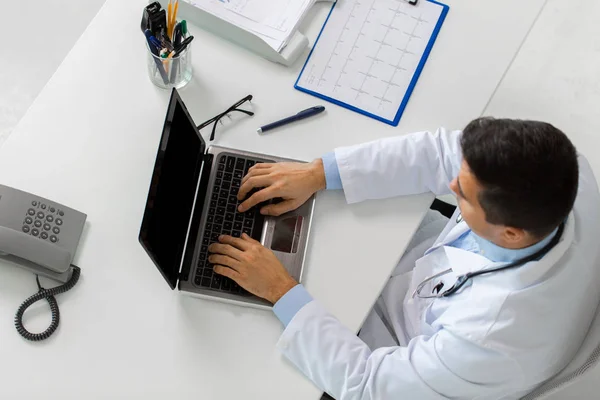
(168, 73)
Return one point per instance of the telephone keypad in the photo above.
(43, 224)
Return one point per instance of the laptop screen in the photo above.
(172, 189)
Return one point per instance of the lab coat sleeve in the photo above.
(408, 164)
(436, 367)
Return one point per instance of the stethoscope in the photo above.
(462, 279)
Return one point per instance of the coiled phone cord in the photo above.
(47, 294)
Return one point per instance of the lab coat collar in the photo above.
(463, 261)
(458, 230)
(535, 271)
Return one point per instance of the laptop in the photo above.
(192, 200)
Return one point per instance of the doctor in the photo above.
(487, 304)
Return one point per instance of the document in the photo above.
(272, 21)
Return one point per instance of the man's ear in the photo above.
(513, 236)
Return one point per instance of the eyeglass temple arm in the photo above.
(218, 117)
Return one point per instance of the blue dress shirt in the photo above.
(290, 303)
(472, 242)
(332, 172)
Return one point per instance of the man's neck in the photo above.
(523, 244)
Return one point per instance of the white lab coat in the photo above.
(500, 337)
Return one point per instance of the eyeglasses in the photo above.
(218, 118)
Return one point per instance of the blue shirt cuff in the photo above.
(290, 303)
(332, 172)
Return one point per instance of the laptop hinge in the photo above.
(194, 230)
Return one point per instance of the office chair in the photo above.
(584, 361)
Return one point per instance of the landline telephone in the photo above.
(41, 236)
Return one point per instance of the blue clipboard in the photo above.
(413, 81)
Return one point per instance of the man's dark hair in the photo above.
(528, 170)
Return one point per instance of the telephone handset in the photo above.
(41, 236)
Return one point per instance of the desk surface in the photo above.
(89, 142)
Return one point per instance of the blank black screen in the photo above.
(172, 192)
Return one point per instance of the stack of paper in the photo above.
(274, 21)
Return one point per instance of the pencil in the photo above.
(174, 19)
(169, 17)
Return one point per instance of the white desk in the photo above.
(89, 141)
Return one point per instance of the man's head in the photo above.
(518, 180)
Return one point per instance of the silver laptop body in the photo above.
(177, 219)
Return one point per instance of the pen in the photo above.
(184, 30)
(156, 42)
(155, 52)
(177, 34)
(180, 31)
(184, 44)
(309, 112)
(165, 41)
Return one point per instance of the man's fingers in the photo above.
(235, 242)
(224, 260)
(227, 272)
(254, 182)
(258, 197)
(249, 240)
(255, 172)
(225, 249)
(261, 165)
(278, 209)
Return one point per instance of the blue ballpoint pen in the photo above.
(155, 51)
(309, 112)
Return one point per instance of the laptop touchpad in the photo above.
(286, 234)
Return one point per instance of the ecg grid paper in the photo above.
(368, 53)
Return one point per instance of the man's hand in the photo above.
(252, 266)
(293, 182)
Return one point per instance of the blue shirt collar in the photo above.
(496, 253)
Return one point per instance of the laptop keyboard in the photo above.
(224, 219)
